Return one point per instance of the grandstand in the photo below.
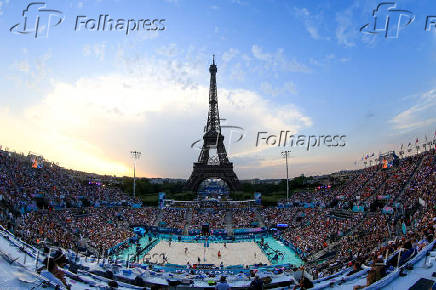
(213, 188)
(375, 229)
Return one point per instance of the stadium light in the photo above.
(135, 155)
(285, 155)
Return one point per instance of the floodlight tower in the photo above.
(285, 155)
(135, 156)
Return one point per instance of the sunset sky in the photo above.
(87, 98)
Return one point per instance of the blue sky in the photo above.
(86, 98)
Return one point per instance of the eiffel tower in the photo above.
(211, 165)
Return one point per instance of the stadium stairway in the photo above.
(366, 181)
(259, 218)
(341, 213)
(158, 219)
(229, 223)
(313, 258)
(379, 187)
(188, 223)
(411, 177)
(381, 190)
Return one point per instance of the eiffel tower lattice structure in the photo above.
(213, 162)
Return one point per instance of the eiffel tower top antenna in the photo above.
(213, 120)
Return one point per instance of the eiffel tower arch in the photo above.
(213, 161)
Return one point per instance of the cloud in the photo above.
(168, 51)
(239, 2)
(257, 53)
(345, 59)
(169, 64)
(309, 164)
(329, 58)
(156, 107)
(237, 73)
(346, 31)
(3, 4)
(30, 72)
(97, 50)
(349, 22)
(420, 115)
(230, 54)
(311, 22)
(277, 61)
(269, 90)
(23, 66)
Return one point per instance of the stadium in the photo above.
(221, 144)
(329, 238)
(368, 228)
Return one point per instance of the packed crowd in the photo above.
(410, 188)
(400, 175)
(342, 195)
(215, 218)
(244, 218)
(139, 216)
(377, 246)
(28, 186)
(381, 234)
(310, 229)
(423, 185)
(98, 229)
(355, 237)
(173, 218)
(364, 186)
(359, 179)
(358, 245)
(373, 185)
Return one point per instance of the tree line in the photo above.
(271, 192)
